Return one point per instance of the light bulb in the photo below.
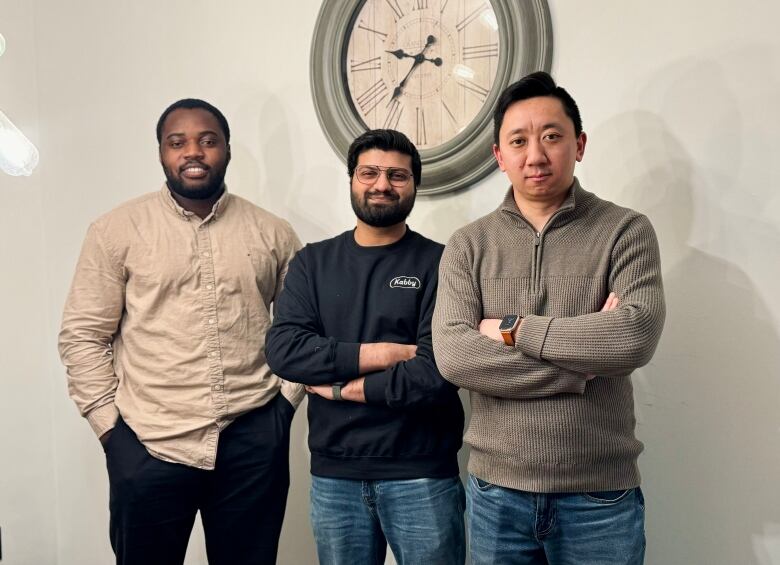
(18, 156)
(2, 44)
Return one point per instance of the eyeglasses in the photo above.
(369, 174)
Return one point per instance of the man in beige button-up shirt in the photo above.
(163, 337)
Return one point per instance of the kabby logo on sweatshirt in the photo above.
(405, 282)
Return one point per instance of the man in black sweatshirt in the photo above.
(354, 325)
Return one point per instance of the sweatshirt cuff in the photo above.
(531, 336)
(374, 387)
(346, 361)
(293, 392)
(103, 418)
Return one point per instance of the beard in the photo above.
(385, 215)
(203, 192)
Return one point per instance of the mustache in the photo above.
(391, 194)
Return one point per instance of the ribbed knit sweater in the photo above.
(537, 423)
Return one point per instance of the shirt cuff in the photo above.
(346, 361)
(532, 334)
(293, 392)
(374, 387)
(103, 418)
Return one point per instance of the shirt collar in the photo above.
(216, 211)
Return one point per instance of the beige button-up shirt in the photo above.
(166, 319)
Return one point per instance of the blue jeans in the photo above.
(508, 526)
(421, 520)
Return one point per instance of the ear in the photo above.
(228, 154)
(581, 140)
(499, 158)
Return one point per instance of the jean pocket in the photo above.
(607, 496)
(112, 433)
(479, 484)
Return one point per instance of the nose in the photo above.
(535, 155)
(382, 183)
(193, 150)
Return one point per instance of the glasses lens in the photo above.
(367, 174)
(398, 177)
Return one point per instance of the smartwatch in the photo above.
(508, 326)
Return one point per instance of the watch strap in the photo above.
(336, 388)
(508, 339)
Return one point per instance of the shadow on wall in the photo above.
(277, 174)
(707, 405)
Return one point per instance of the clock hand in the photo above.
(418, 60)
(400, 54)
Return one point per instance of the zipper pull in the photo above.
(537, 239)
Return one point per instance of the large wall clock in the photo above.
(430, 68)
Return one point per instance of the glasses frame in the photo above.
(387, 172)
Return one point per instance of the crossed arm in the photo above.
(393, 374)
(373, 357)
(551, 355)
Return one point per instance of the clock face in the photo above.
(433, 69)
(423, 67)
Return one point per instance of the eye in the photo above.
(175, 144)
(517, 142)
(368, 173)
(552, 137)
(398, 176)
(209, 142)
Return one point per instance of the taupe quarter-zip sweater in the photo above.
(537, 424)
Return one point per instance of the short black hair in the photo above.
(191, 104)
(536, 84)
(384, 140)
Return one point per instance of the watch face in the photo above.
(508, 322)
(424, 67)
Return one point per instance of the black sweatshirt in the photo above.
(336, 296)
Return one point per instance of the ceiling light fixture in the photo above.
(18, 156)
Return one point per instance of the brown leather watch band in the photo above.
(508, 339)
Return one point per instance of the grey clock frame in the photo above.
(525, 46)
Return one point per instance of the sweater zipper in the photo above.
(535, 272)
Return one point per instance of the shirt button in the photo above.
(206, 254)
(211, 320)
(216, 387)
(209, 286)
(212, 353)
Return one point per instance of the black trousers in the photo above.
(242, 501)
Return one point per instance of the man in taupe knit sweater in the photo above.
(545, 307)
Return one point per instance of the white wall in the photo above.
(28, 501)
(680, 101)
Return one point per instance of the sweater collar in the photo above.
(564, 214)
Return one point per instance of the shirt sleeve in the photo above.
(293, 392)
(610, 343)
(416, 382)
(295, 347)
(476, 362)
(90, 320)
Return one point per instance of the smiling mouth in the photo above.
(381, 198)
(194, 171)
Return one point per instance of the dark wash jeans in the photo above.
(242, 501)
(512, 527)
(420, 519)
